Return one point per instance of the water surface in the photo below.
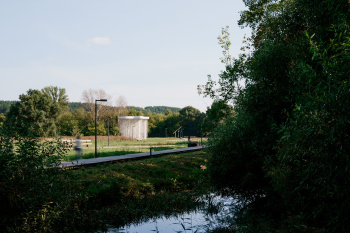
(211, 216)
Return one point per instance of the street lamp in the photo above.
(108, 129)
(104, 100)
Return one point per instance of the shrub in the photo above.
(33, 188)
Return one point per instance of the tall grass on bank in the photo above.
(34, 191)
(133, 191)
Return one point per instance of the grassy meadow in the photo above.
(102, 141)
(123, 146)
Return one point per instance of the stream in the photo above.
(211, 216)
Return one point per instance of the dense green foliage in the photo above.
(5, 105)
(58, 96)
(166, 124)
(190, 120)
(138, 109)
(216, 115)
(75, 106)
(288, 143)
(153, 109)
(2, 119)
(161, 125)
(34, 108)
(33, 190)
(161, 109)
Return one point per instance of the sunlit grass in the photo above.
(168, 172)
(132, 191)
(104, 152)
(102, 141)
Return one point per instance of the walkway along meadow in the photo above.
(112, 159)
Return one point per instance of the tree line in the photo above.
(5, 106)
(51, 112)
(285, 151)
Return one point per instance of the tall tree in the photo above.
(122, 106)
(190, 120)
(57, 94)
(89, 97)
(34, 109)
(216, 114)
(59, 99)
(288, 143)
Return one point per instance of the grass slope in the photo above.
(117, 194)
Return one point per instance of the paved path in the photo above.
(106, 147)
(111, 159)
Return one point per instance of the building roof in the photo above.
(134, 117)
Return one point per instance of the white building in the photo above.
(133, 126)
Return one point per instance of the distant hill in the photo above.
(154, 109)
(5, 106)
(161, 109)
(138, 109)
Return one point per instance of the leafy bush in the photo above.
(312, 167)
(234, 167)
(33, 189)
(290, 137)
(105, 192)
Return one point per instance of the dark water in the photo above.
(213, 215)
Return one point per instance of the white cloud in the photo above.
(100, 40)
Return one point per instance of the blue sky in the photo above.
(151, 52)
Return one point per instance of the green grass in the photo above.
(169, 172)
(104, 152)
(121, 193)
(102, 141)
(128, 146)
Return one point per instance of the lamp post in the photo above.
(108, 129)
(96, 124)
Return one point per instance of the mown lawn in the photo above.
(104, 152)
(123, 141)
